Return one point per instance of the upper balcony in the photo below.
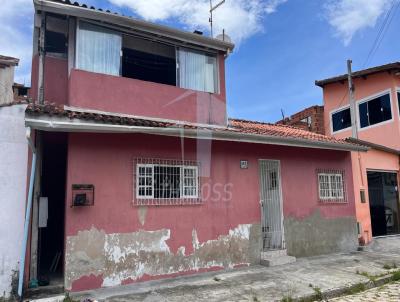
(129, 69)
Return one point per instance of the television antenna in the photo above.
(213, 8)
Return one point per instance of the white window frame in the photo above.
(331, 119)
(339, 192)
(181, 184)
(370, 98)
(138, 186)
(196, 183)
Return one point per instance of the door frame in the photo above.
(279, 178)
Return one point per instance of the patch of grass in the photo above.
(255, 299)
(216, 279)
(387, 266)
(287, 299)
(67, 298)
(318, 293)
(355, 289)
(396, 276)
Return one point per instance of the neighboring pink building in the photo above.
(142, 175)
(376, 92)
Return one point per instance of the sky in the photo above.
(282, 46)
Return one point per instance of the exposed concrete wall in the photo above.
(6, 83)
(13, 169)
(127, 257)
(316, 235)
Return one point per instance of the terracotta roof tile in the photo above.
(279, 130)
(235, 125)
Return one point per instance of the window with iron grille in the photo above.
(331, 186)
(166, 182)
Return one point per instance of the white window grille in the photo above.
(166, 182)
(331, 186)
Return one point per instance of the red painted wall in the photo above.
(131, 96)
(55, 80)
(92, 159)
(106, 161)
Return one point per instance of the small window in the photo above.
(341, 120)
(398, 99)
(362, 196)
(375, 111)
(166, 182)
(331, 186)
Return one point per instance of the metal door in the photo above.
(271, 205)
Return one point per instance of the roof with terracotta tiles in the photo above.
(236, 126)
(280, 130)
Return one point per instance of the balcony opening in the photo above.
(107, 51)
(56, 43)
(148, 61)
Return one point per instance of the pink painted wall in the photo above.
(334, 98)
(106, 161)
(387, 134)
(131, 96)
(55, 79)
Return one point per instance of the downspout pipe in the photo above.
(27, 214)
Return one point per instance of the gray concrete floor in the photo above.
(258, 283)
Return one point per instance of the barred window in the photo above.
(166, 182)
(331, 186)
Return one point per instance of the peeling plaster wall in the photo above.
(316, 235)
(130, 256)
(13, 177)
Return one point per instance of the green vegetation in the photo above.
(68, 298)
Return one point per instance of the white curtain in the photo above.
(98, 49)
(197, 71)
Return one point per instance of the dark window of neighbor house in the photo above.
(341, 120)
(375, 111)
(398, 99)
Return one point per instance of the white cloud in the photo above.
(351, 16)
(16, 23)
(239, 18)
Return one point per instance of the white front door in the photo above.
(271, 205)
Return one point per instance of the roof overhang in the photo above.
(391, 67)
(129, 22)
(65, 124)
(373, 145)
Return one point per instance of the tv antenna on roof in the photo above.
(213, 8)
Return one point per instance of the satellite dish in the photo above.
(224, 37)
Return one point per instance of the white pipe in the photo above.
(27, 214)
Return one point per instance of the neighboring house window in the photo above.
(197, 71)
(331, 187)
(98, 49)
(341, 120)
(166, 182)
(398, 99)
(375, 111)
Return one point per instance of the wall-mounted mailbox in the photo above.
(82, 195)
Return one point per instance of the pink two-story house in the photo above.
(377, 95)
(141, 175)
